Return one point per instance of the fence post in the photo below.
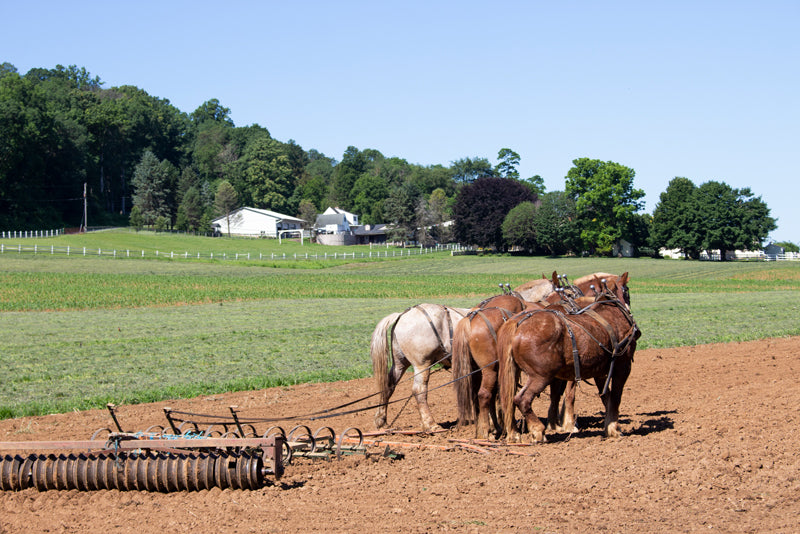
(84, 251)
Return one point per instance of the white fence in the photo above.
(84, 251)
(758, 255)
(31, 233)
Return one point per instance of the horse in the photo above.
(597, 341)
(420, 337)
(475, 348)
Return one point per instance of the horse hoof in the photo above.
(538, 437)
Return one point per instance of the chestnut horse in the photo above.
(475, 348)
(597, 341)
(420, 337)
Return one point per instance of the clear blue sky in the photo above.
(701, 89)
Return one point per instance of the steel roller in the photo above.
(133, 471)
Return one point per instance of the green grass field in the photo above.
(80, 332)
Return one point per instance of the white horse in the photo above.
(421, 337)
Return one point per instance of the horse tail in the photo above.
(462, 372)
(380, 350)
(507, 375)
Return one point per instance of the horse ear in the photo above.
(623, 280)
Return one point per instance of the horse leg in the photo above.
(395, 374)
(420, 391)
(556, 390)
(524, 400)
(568, 422)
(486, 402)
(614, 397)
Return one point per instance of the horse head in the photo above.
(612, 287)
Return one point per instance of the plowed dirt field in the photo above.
(711, 444)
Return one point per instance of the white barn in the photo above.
(254, 222)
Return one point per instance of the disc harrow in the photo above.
(187, 455)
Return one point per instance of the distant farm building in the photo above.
(338, 227)
(254, 222)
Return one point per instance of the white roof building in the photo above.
(352, 219)
(254, 222)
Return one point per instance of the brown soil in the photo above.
(711, 444)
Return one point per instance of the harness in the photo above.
(617, 346)
(442, 347)
(510, 293)
(479, 313)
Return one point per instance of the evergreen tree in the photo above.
(150, 184)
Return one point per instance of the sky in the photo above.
(706, 90)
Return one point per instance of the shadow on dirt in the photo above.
(593, 425)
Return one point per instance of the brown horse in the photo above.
(420, 337)
(548, 345)
(475, 348)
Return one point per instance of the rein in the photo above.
(323, 414)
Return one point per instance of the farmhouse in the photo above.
(338, 227)
(335, 221)
(254, 222)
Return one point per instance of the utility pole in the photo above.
(85, 222)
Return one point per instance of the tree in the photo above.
(518, 227)
(212, 110)
(353, 165)
(315, 183)
(438, 213)
(468, 170)
(400, 209)
(150, 185)
(482, 206)
(369, 194)
(268, 176)
(226, 201)
(536, 184)
(676, 221)
(307, 211)
(190, 211)
(555, 223)
(507, 164)
(136, 219)
(605, 200)
(731, 219)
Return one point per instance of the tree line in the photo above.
(147, 163)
